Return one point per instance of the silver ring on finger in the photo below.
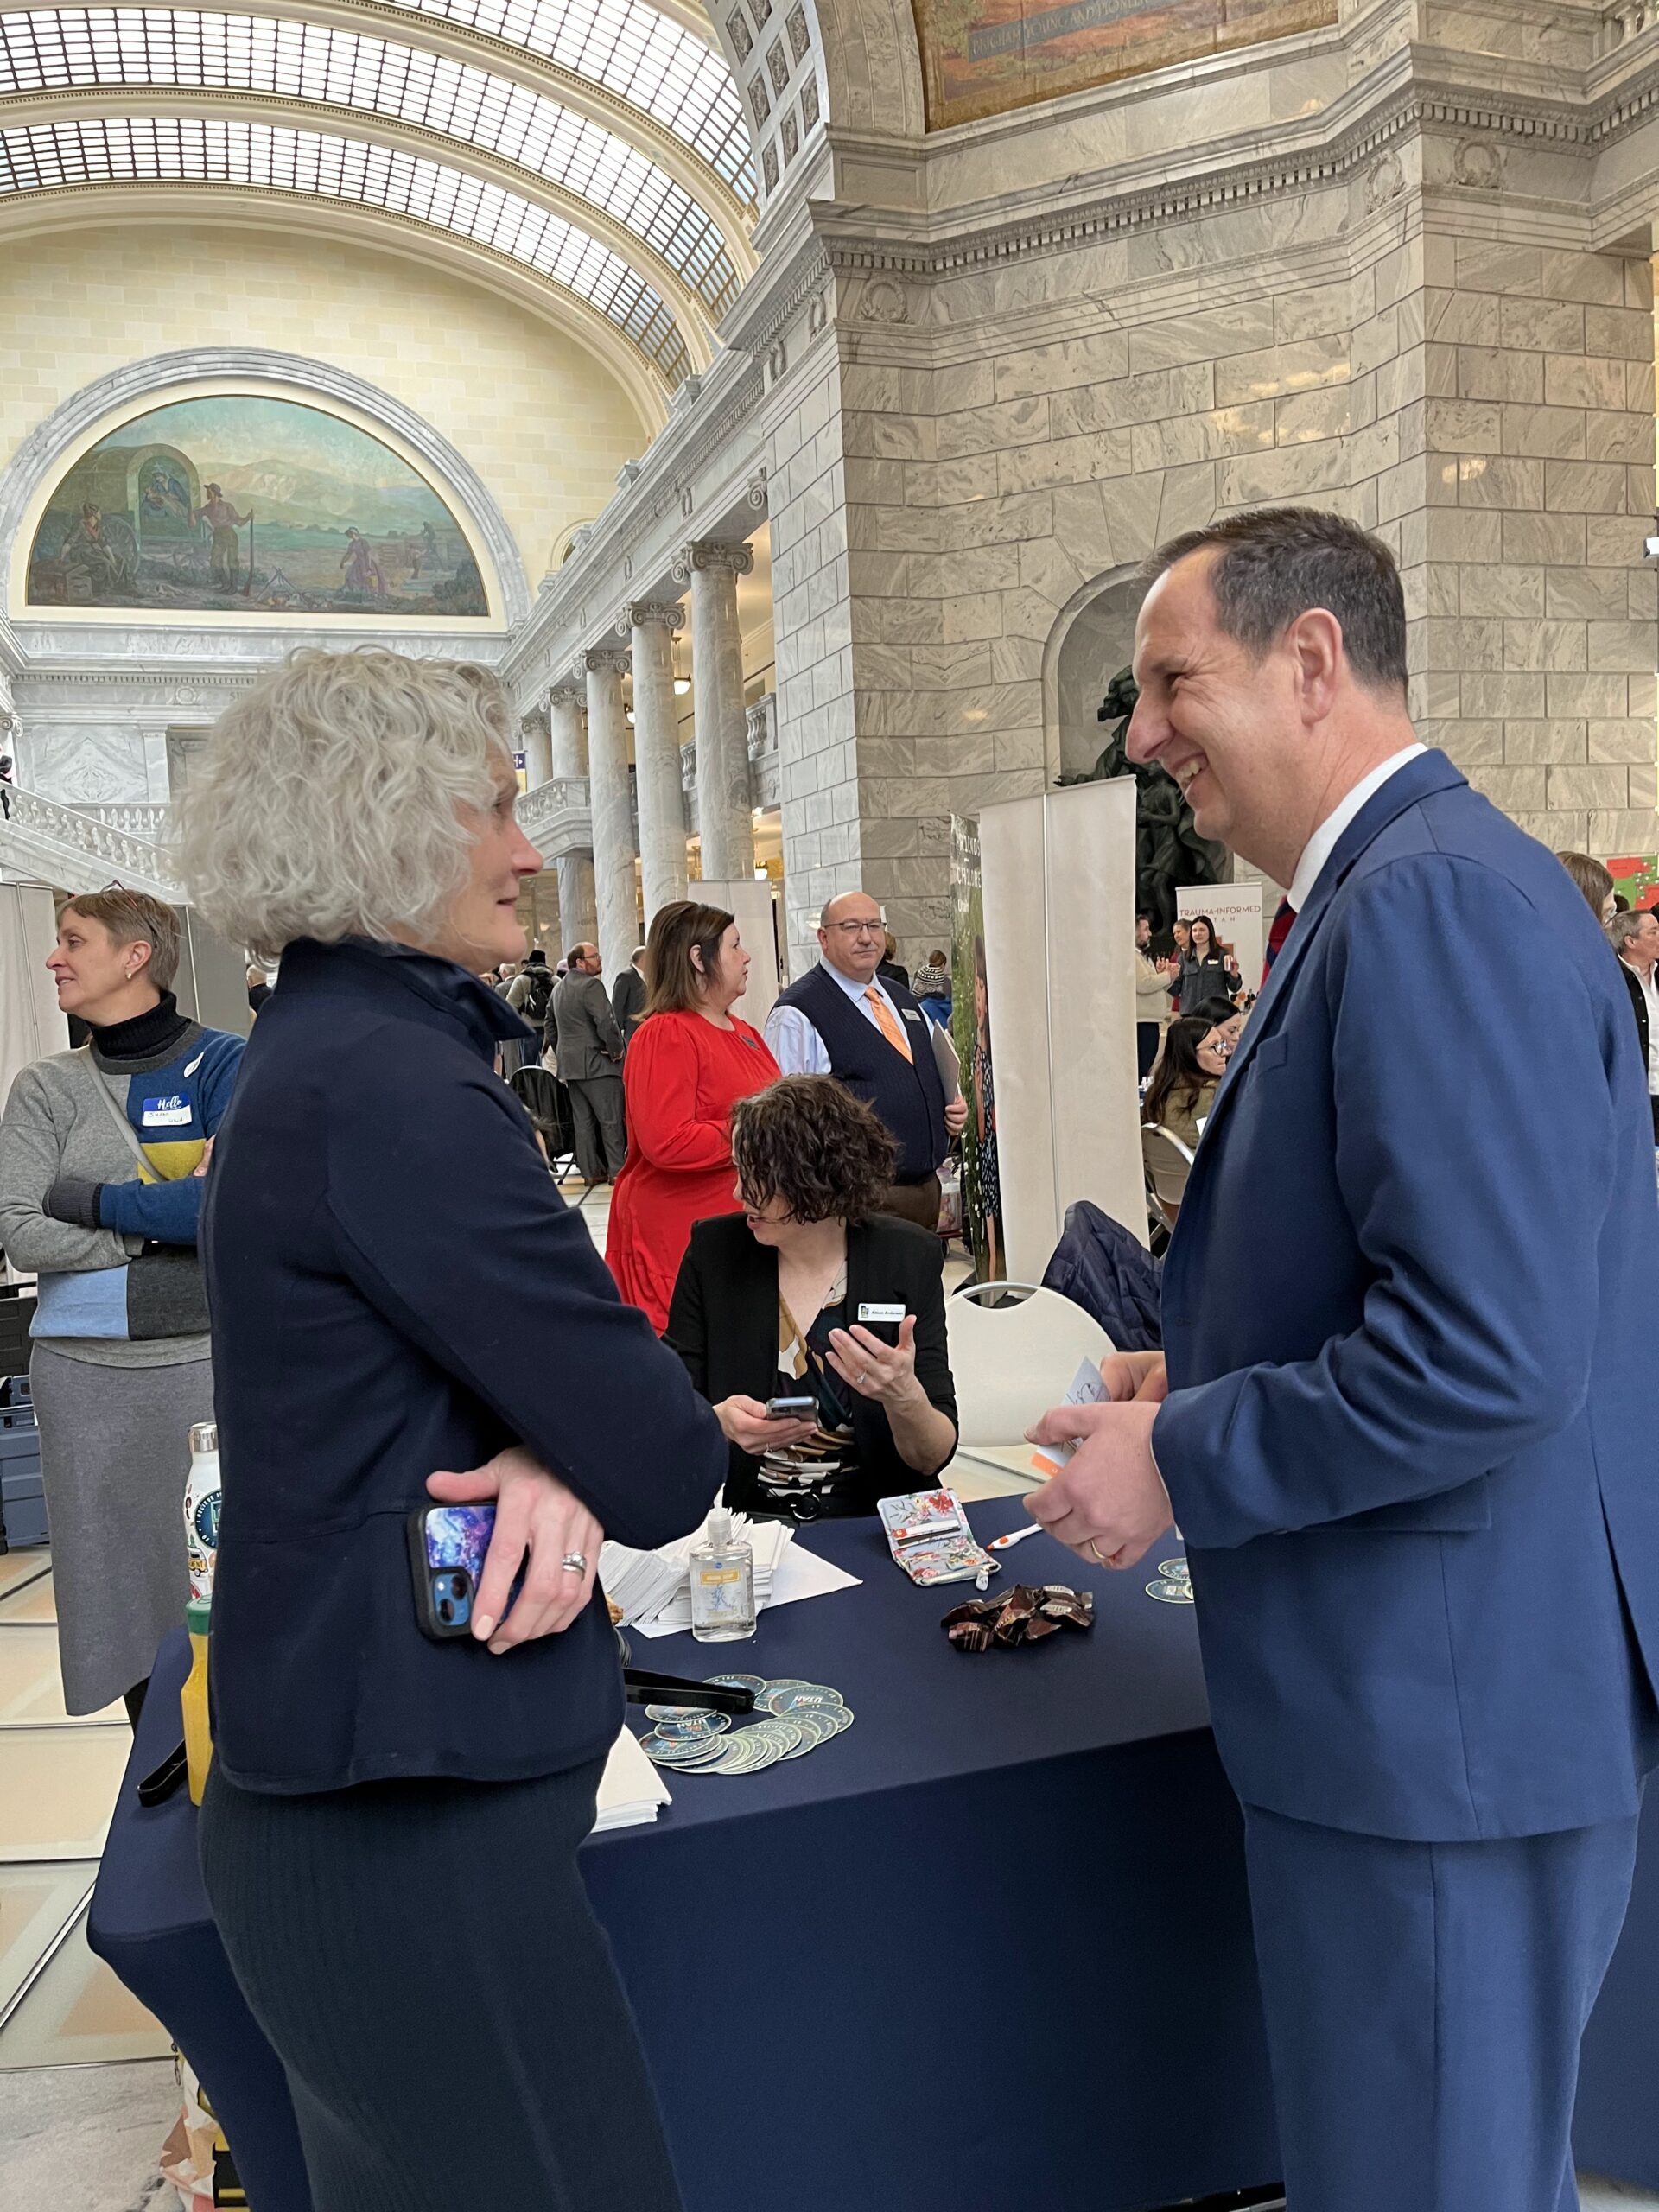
(574, 1562)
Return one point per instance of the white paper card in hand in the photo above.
(1087, 1389)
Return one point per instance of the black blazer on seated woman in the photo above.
(723, 1323)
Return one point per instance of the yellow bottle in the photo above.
(198, 1737)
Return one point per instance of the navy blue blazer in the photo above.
(1408, 1313)
(397, 1286)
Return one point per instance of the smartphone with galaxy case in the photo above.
(447, 1545)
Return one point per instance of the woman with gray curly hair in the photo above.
(411, 1711)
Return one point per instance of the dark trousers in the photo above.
(916, 1202)
(1425, 2004)
(601, 1127)
(423, 1959)
(1146, 1034)
(1653, 1103)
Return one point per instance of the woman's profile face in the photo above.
(1214, 1053)
(88, 966)
(731, 976)
(982, 1005)
(481, 928)
(767, 1224)
(1182, 938)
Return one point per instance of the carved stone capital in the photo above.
(648, 614)
(716, 556)
(609, 660)
(572, 693)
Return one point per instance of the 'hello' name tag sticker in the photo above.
(870, 1312)
(174, 1112)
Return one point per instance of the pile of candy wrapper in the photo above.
(1024, 1615)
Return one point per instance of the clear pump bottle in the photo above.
(722, 1583)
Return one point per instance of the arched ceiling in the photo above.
(612, 159)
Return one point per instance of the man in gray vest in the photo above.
(588, 1049)
(866, 1030)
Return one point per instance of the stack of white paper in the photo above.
(653, 1588)
(631, 1790)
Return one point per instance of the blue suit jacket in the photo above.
(1408, 1313)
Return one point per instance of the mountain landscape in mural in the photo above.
(983, 57)
(250, 505)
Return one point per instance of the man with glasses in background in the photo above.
(866, 1030)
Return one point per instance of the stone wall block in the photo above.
(1584, 380)
(1583, 488)
(1588, 789)
(1482, 481)
(1190, 390)
(1558, 539)
(1484, 265)
(1644, 785)
(1628, 831)
(1601, 695)
(1291, 472)
(1546, 744)
(1465, 644)
(1282, 370)
(1509, 697)
(1541, 326)
(1321, 311)
(1085, 460)
(1513, 789)
(1100, 357)
(1626, 333)
(1545, 644)
(1625, 437)
(1562, 833)
(1621, 646)
(1467, 535)
(1586, 595)
(1244, 327)
(1500, 590)
(1468, 426)
(1624, 741)
(1471, 744)
(1464, 318)
(1306, 416)
(1544, 433)
(1489, 372)
(1638, 282)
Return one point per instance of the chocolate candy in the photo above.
(1023, 1615)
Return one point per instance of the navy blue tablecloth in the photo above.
(991, 1941)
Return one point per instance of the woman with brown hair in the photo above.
(689, 1063)
(769, 1302)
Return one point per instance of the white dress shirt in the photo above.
(796, 1045)
(1320, 846)
(1650, 992)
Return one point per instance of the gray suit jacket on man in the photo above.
(588, 1041)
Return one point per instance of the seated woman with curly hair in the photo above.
(783, 1301)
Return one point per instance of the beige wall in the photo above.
(536, 415)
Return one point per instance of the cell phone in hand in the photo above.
(792, 1409)
(447, 1546)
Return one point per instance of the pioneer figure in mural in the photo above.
(364, 575)
(225, 560)
(164, 498)
(96, 556)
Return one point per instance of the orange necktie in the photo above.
(889, 1029)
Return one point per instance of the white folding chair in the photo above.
(1013, 1359)
(1168, 1163)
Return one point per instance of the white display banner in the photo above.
(1058, 887)
(749, 902)
(1236, 910)
(30, 1023)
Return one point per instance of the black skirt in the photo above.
(423, 1959)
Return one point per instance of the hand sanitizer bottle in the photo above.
(722, 1583)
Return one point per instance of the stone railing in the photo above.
(555, 818)
(70, 847)
(143, 817)
(1626, 19)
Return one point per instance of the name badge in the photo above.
(911, 1013)
(174, 1113)
(868, 1313)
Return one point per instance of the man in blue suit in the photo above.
(1408, 1419)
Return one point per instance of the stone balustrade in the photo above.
(73, 848)
(555, 817)
(1626, 19)
(145, 818)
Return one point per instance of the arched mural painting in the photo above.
(248, 504)
(983, 57)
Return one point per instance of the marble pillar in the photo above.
(723, 819)
(538, 750)
(578, 913)
(657, 753)
(613, 814)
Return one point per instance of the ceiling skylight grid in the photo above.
(45, 49)
(190, 150)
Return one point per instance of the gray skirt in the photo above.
(115, 1456)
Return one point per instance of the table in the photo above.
(991, 1942)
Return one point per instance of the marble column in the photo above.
(657, 753)
(578, 914)
(538, 750)
(723, 818)
(613, 814)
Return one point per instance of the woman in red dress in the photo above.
(689, 1062)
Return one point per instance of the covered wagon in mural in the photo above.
(243, 504)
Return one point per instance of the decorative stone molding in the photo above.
(712, 555)
(81, 849)
(1478, 165)
(646, 613)
(41, 451)
(614, 659)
